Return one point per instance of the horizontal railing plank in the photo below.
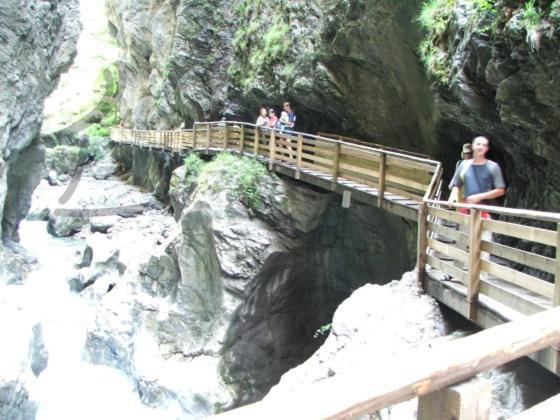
(443, 364)
(447, 268)
(459, 237)
(448, 215)
(530, 233)
(519, 256)
(518, 278)
(449, 250)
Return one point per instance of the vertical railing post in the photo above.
(475, 245)
(226, 136)
(336, 164)
(208, 138)
(557, 274)
(257, 141)
(422, 242)
(467, 400)
(241, 138)
(299, 155)
(194, 137)
(382, 170)
(271, 150)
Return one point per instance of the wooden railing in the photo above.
(455, 244)
(388, 171)
(416, 374)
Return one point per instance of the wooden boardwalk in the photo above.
(389, 179)
(505, 285)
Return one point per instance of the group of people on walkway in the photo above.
(268, 119)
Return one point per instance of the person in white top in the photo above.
(262, 120)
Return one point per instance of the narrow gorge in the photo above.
(149, 283)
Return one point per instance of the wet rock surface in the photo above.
(38, 44)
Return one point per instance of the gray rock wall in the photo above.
(349, 67)
(503, 87)
(37, 43)
(148, 169)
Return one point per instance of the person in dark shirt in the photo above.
(291, 123)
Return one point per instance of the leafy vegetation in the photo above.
(243, 175)
(193, 166)
(322, 330)
(98, 147)
(530, 19)
(64, 159)
(434, 17)
(107, 106)
(259, 44)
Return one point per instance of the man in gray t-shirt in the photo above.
(481, 178)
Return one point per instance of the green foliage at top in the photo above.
(530, 19)
(486, 5)
(260, 43)
(434, 17)
(193, 166)
(243, 177)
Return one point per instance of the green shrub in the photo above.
(193, 166)
(97, 130)
(434, 17)
(242, 177)
(530, 19)
(98, 147)
(64, 159)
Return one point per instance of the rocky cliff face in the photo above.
(248, 272)
(347, 66)
(37, 44)
(503, 69)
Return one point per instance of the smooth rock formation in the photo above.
(149, 169)
(242, 279)
(374, 327)
(38, 43)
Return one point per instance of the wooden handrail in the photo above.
(505, 211)
(444, 364)
(402, 155)
(365, 143)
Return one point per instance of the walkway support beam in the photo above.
(382, 173)
(473, 278)
(422, 242)
(271, 150)
(336, 164)
(557, 274)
